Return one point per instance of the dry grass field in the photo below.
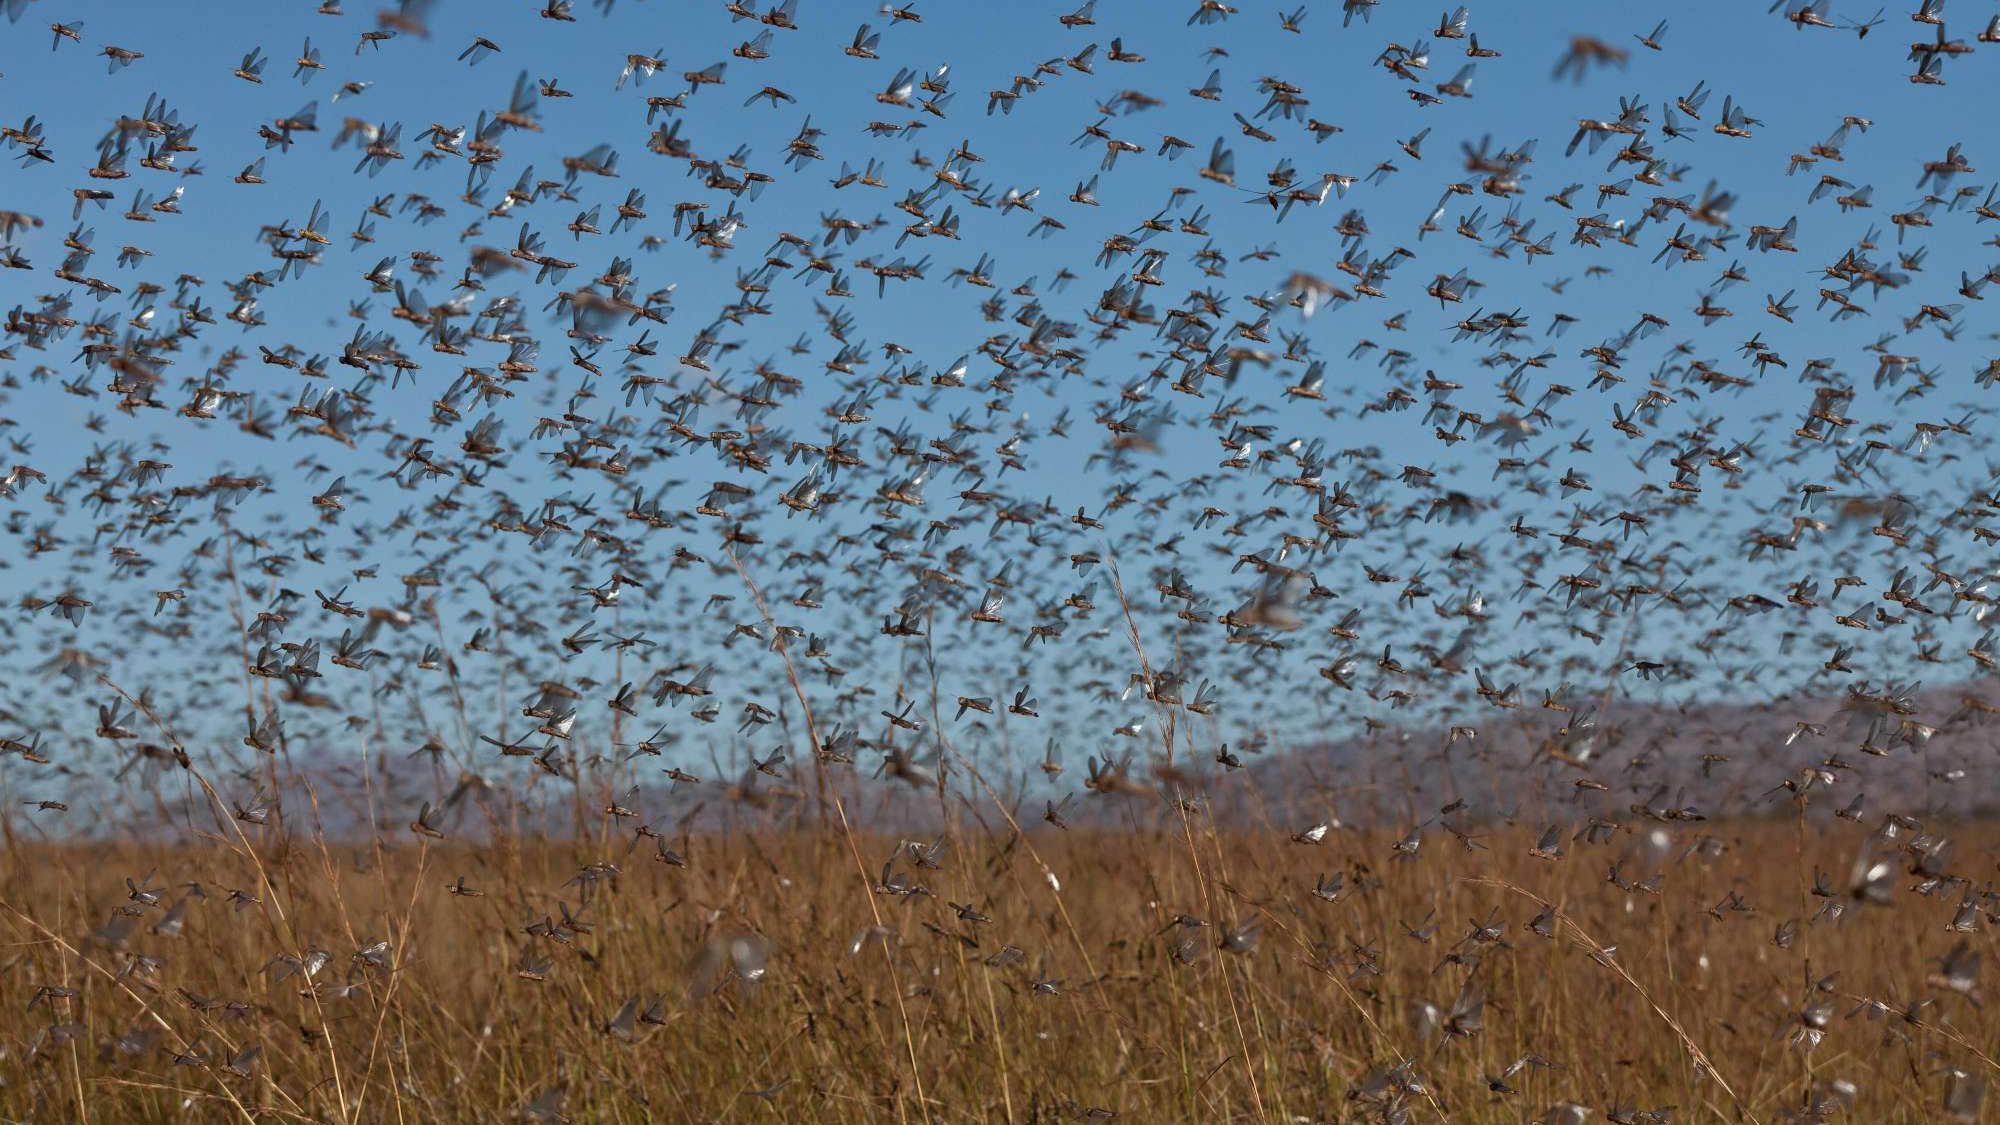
(1167, 970)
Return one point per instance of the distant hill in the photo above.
(1929, 752)
(1926, 752)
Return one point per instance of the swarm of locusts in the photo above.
(628, 560)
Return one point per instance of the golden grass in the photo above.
(1139, 1015)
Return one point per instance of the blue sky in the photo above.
(1798, 84)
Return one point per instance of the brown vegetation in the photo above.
(1166, 971)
